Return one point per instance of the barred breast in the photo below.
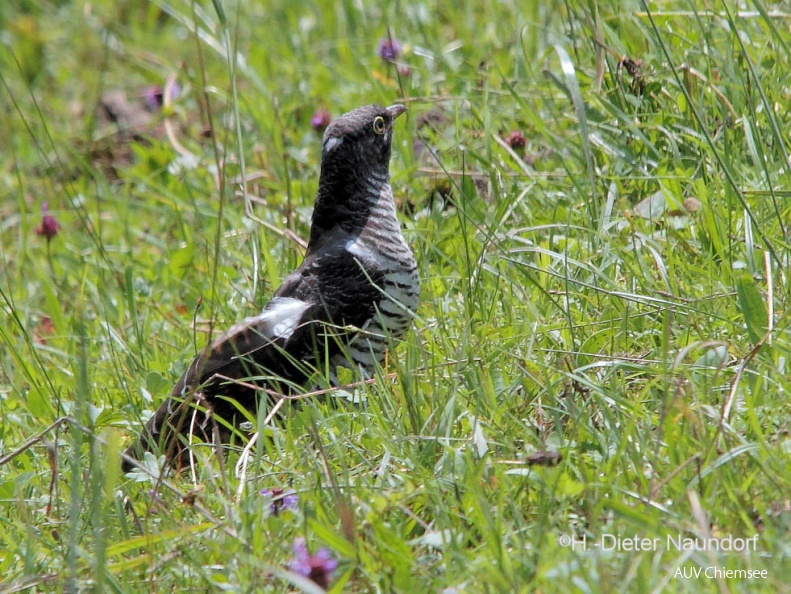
(381, 244)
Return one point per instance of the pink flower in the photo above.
(516, 140)
(49, 226)
(320, 120)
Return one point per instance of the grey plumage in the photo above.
(351, 296)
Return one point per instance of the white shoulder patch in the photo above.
(357, 249)
(281, 316)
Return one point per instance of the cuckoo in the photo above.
(352, 297)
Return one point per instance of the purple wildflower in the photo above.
(516, 140)
(280, 500)
(318, 567)
(49, 226)
(389, 49)
(154, 96)
(320, 120)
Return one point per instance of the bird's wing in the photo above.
(325, 296)
(328, 295)
(261, 339)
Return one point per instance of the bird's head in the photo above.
(355, 169)
(360, 138)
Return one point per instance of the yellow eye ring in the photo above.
(379, 125)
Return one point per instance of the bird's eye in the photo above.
(379, 125)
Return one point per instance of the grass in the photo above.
(616, 291)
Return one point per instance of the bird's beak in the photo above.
(396, 110)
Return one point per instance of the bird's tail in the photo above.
(166, 432)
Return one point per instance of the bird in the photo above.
(352, 297)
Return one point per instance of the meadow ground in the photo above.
(597, 384)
